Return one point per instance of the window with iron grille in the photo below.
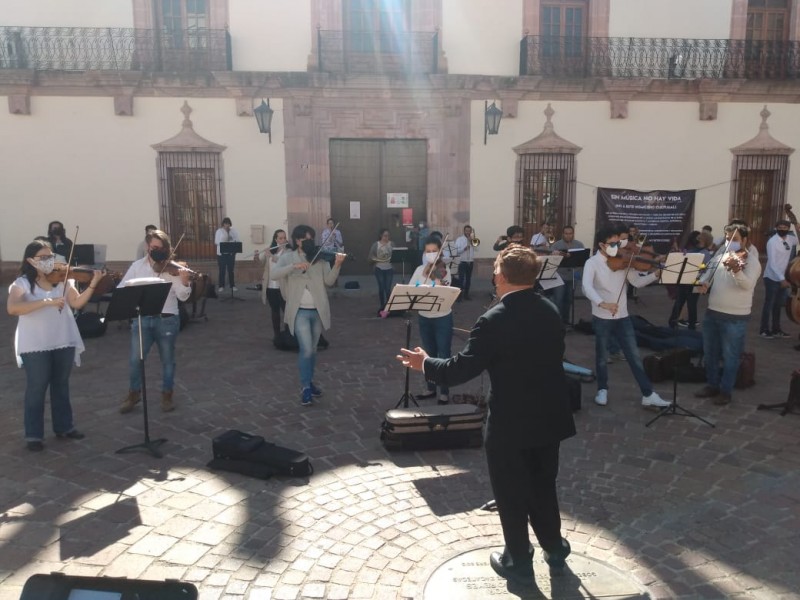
(759, 194)
(546, 184)
(191, 194)
(563, 28)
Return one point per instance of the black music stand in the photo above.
(678, 268)
(231, 248)
(575, 259)
(423, 298)
(137, 301)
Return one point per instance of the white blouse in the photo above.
(45, 329)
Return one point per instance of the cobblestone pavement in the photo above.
(687, 510)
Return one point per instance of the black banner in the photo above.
(663, 215)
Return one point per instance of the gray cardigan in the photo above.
(294, 281)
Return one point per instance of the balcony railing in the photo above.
(661, 58)
(374, 52)
(117, 49)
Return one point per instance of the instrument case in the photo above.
(434, 427)
(58, 586)
(234, 449)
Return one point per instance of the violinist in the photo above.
(435, 330)
(605, 289)
(697, 242)
(47, 341)
(271, 293)
(58, 239)
(303, 273)
(160, 329)
(729, 280)
(781, 247)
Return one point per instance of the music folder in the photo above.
(230, 247)
(576, 258)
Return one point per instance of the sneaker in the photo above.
(683, 323)
(425, 395)
(443, 399)
(780, 334)
(220, 289)
(234, 289)
(601, 399)
(654, 400)
(307, 399)
(315, 391)
(71, 435)
(766, 335)
(617, 356)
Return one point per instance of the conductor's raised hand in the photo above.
(412, 359)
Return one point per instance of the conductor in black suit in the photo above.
(520, 342)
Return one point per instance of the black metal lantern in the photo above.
(492, 117)
(263, 115)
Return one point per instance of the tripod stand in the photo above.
(792, 401)
(136, 301)
(407, 395)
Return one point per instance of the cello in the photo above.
(793, 275)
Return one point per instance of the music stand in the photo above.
(136, 301)
(575, 259)
(423, 298)
(231, 248)
(680, 269)
(548, 277)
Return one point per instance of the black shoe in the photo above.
(426, 395)
(557, 559)
(35, 446)
(503, 565)
(72, 435)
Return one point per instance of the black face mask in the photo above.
(309, 248)
(57, 231)
(159, 255)
(782, 233)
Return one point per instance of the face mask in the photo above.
(422, 225)
(46, 266)
(309, 248)
(159, 255)
(734, 247)
(622, 244)
(783, 233)
(430, 256)
(611, 251)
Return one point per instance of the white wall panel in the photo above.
(671, 18)
(270, 36)
(66, 13)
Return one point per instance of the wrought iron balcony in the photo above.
(117, 49)
(660, 58)
(375, 52)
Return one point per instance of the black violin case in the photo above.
(58, 586)
(433, 427)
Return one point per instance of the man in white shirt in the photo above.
(543, 239)
(160, 329)
(605, 289)
(730, 280)
(562, 294)
(226, 260)
(465, 251)
(781, 247)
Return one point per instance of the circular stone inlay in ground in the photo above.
(468, 576)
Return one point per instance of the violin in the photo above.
(734, 261)
(435, 271)
(84, 275)
(175, 268)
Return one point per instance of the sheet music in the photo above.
(423, 298)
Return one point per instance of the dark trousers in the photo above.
(688, 297)
(276, 305)
(774, 303)
(524, 486)
(465, 276)
(226, 263)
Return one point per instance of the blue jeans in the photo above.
(384, 278)
(436, 336)
(226, 263)
(562, 298)
(43, 369)
(723, 339)
(163, 331)
(307, 329)
(774, 303)
(465, 276)
(622, 331)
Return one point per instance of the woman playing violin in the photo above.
(270, 289)
(47, 341)
(304, 273)
(160, 329)
(435, 330)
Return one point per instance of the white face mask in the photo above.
(430, 256)
(611, 251)
(422, 225)
(45, 266)
(622, 244)
(734, 247)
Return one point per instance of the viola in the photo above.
(84, 275)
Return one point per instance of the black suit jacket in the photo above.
(520, 342)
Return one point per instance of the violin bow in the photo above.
(724, 251)
(641, 239)
(69, 262)
(172, 253)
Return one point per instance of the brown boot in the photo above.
(166, 401)
(131, 400)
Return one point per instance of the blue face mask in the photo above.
(734, 247)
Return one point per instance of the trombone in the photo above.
(474, 240)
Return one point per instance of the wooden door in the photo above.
(365, 171)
